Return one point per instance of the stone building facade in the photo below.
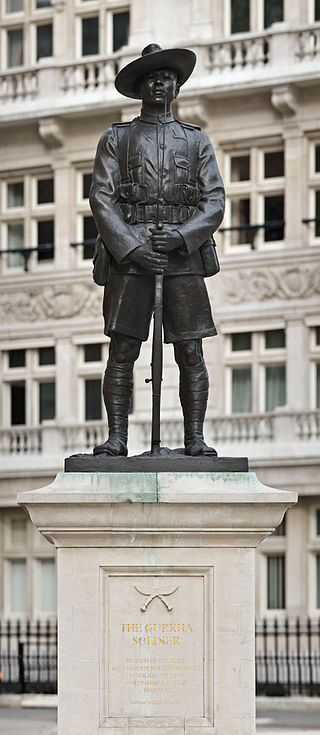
(255, 91)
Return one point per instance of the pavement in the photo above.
(39, 721)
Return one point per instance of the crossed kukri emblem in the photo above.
(153, 595)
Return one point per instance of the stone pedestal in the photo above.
(156, 587)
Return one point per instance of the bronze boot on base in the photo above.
(117, 394)
(194, 389)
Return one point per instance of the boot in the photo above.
(117, 394)
(194, 389)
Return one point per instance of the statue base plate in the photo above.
(169, 460)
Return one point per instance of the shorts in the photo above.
(129, 300)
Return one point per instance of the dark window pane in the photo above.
(89, 237)
(241, 390)
(317, 156)
(47, 401)
(18, 403)
(92, 399)
(317, 335)
(241, 341)
(120, 30)
(17, 358)
(273, 216)
(15, 47)
(92, 353)
(317, 227)
(318, 385)
(45, 191)
(15, 194)
(317, 9)
(318, 580)
(43, 4)
(44, 41)
(273, 12)
(273, 164)
(240, 168)
(276, 582)
(90, 36)
(275, 386)
(275, 338)
(86, 184)
(318, 521)
(46, 239)
(240, 218)
(240, 16)
(281, 530)
(13, 6)
(46, 355)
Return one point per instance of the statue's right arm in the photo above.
(104, 194)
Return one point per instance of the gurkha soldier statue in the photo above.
(157, 197)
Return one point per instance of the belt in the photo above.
(172, 214)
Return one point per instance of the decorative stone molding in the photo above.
(51, 131)
(284, 99)
(51, 302)
(193, 111)
(260, 284)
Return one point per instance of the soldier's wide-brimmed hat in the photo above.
(181, 60)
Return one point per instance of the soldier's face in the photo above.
(158, 85)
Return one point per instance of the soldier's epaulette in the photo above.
(190, 126)
(120, 124)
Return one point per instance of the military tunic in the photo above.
(144, 174)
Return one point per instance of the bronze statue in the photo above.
(157, 197)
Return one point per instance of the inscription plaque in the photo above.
(155, 646)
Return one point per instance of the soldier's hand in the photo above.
(149, 259)
(163, 241)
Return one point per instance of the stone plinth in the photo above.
(156, 587)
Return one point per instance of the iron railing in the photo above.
(28, 657)
(288, 658)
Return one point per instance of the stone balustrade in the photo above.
(263, 53)
(250, 429)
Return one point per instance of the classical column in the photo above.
(298, 366)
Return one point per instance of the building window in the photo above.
(89, 237)
(240, 168)
(15, 241)
(18, 586)
(18, 403)
(240, 16)
(47, 401)
(14, 6)
(93, 406)
(273, 164)
(45, 191)
(17, 358)
(275, 394)
(48, 594)
(318, 522)
(90, 36)
(318, 579)
(15, 195)
(45, 240)
(241, 390)
(86, 185)
(274, 217)
(46, 356)
(318, 385)
(273, 12)
(276, 582)
(275, 339)
(241, 341)
(15, 47)
(317, 213)
(43, 4)
(120, 29)
(240, 221)
(92, 352)
(44, 41)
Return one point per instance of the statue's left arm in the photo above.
(210, 210)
